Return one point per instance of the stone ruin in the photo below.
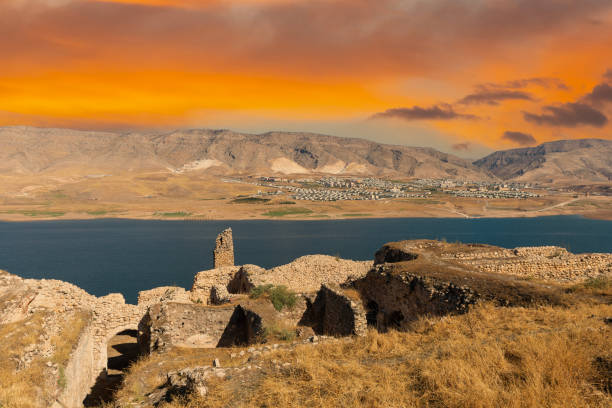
(334, 312)
(223, 254)
(336, 297)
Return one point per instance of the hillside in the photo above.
(27, 150)
(563, 161)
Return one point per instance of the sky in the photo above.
(462, 76)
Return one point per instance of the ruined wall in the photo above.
(182, 325)
(547, 262)
(111, 316)
(223, 254)
(79, 371)
(333, 313)
(244, 327)
(163, 294)
(303, 275)
(205, 280)
(247, 277)
(394, 300)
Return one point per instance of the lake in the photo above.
(126, 256)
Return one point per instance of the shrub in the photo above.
(280, 296)
(62, 382)
(281, 212)
(279, 332)
(250, 200)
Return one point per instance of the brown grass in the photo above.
(141, 195)
(490, 357)
(29, 386)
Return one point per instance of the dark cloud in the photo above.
(436, 112)
(525, 82)
(520, 138)
(569, 115)
(493, 97)
(608, 74)
(335, 37)
(465, 146)
(600, 94)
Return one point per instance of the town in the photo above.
(369, 188)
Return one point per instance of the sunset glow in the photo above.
(471, 75)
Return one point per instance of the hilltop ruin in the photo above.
(334, 297)
(223, 254)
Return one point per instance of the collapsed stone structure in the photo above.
(546, 262)
(333, 312)
(336, 297)
(410, 279)
(223, 254)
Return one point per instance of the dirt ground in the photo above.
(179, 196)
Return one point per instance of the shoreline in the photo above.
(17, 219)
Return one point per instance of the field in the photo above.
(181, 196)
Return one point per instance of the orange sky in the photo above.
(465, 76)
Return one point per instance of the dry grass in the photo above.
(29, 386)
(149, 372)
(490, 357)
(141, 195)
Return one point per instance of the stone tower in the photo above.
(223, 254)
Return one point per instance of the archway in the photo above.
(122, 350)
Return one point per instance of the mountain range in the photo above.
(28, 150)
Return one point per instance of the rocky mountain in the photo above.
(28, 150)
(563, 161)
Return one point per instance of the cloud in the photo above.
(494, 93)
(464, 146)
(520, 138)
(543, 82)
(493, 97)
(608, 74)
(601, 93)
(570, 114)
(314, 37)
(435, 112)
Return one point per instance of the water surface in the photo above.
(126, 256)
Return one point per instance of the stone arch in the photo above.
(122, 342)
(372, 310)
(103, 353)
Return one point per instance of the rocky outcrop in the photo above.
(393, 300)
(417, 278)
(223, 254)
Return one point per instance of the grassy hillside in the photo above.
(490, 357)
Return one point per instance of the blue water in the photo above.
(126, 256)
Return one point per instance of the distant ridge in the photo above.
(561, 161)
(30, 150)
(35, 150)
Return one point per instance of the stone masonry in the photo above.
(336, 314)
(182, 325)
(546, 262)
(223, 254)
